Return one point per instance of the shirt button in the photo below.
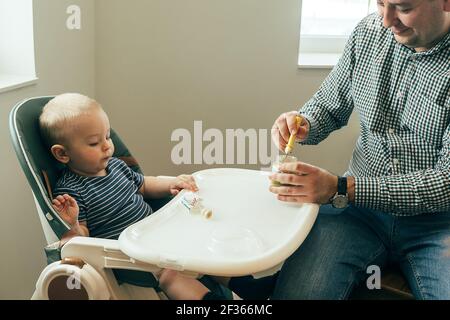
(395, 161)
(399, 95)
(391, 131)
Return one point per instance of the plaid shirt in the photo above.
(401, 161)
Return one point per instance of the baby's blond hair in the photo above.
(59, 111)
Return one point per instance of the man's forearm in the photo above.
(407, 194)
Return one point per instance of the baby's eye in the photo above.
(93, 144)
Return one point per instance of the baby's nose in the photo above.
(107, 145)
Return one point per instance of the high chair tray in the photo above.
(250, 230)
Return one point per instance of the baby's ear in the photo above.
(60, 154)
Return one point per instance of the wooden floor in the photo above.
(393, 287)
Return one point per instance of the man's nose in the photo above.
(389, 16)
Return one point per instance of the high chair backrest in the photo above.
(39, 166)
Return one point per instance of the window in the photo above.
(325, 28)
(16, 44)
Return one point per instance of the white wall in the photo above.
(64, 62)
(233, 64)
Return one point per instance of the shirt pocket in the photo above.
(426, 118)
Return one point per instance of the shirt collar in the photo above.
(442, 44)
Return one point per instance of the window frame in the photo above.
(322, 51)
(17, 67)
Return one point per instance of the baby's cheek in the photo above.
(94, 155)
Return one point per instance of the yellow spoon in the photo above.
(290, 146)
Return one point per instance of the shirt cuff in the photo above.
(313, 130)
(370, 193)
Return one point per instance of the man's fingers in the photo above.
(289, 179)
(301, 133)
(298, 199)
(283, 128)
(292, 123)
(297, 168)
(278, 139)
(288, 190)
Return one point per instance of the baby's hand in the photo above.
(67, 208)
(183, 182)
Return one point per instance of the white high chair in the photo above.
(250, 232)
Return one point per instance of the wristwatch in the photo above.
(340, 199)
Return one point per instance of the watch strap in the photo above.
(342, 185)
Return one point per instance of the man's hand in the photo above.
(287, 124)
(304, 183)
(183, 182)
(67, 208)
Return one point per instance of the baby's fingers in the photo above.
(72, 201)
(185, 185)
(57, 205)
(189, 182)
(191, 185)
(61, 199)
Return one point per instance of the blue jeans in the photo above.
(343, 243)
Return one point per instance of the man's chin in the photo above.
(406, 41)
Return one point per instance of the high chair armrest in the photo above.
(87, 242)
(103, 253)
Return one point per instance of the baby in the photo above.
(98, 195)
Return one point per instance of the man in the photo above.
(394, 201)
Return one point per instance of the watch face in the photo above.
(340, 201)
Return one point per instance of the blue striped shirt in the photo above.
(107, 204)
(401, 161)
